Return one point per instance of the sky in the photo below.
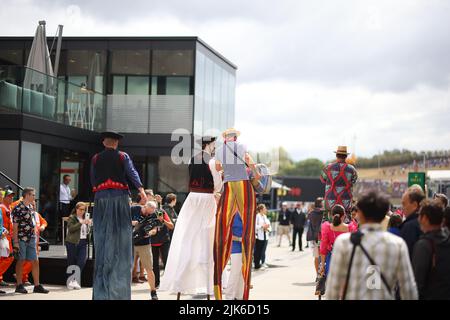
(312, 75)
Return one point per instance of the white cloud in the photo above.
(311, 75)
(312, 120)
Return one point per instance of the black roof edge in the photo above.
(98, 38)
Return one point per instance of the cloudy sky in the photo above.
(312, 75)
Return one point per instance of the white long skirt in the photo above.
(190, 264)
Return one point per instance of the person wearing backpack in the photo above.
(368, 263)
(431, 255)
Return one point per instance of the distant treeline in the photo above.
(399, 157)
(313, 167)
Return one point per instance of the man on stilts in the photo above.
(238, 197)
(112, 220)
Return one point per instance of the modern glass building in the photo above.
(143, 87)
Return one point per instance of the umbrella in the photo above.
(39, 60)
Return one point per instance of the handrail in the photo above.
(11, 180)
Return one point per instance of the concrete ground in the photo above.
(290, 276)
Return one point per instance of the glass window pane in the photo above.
(138, 85)
(154, 85)
(177, 85)
(136, 62)
(173, 63)
(119, 85)
(11, 57)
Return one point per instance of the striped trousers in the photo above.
(238, 198)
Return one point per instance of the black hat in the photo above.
(112, 135)
(207, 140)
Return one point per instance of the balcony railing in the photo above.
(24, 90)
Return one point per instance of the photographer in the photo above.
(142, 247)
(161, 242)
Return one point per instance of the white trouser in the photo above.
(235, 282)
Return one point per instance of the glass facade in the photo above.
(152, 90)
(215, 83)
(143, 86)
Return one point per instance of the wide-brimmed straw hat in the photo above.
(231, 131)
(342, 150)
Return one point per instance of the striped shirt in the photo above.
(391, 257)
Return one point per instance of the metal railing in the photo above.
(24, 90)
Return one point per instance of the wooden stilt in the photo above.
(208, 297)
(178, 295)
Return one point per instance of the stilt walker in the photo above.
(190, 264)
(113, 245)
(238, 197)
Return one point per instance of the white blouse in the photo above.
(261, 220)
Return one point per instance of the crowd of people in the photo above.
(368, 252)
(20, 228)
(362, 249)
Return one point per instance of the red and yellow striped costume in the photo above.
(238, 197)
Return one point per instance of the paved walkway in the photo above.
(290, 276)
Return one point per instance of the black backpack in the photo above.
(438, 282)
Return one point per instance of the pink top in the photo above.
(329, 236)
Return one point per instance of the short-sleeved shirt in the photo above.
(24, 217)
(234, 168)
(137, 216)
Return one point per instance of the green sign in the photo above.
(416, 178)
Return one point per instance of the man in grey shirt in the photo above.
(238, 197)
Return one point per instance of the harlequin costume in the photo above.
(190, 264)
(112, 222)
(339, 178)
(239, 198)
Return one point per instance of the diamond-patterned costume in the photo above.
(339, 178)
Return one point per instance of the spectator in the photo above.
(263, 229)
(142, 246)
(431, 254)
(65, 197)
(41, 224)
(169, 207)
(353, 221)
(442, 199)
(307, 212)
(382, 252)
(394, 224)
(313, 235)
(160, 242)
(76, 241)
(24, 240)
(410, 229)
(283, 224)
(298, 220)
(329, 234)
(138, 275)
(5, 207)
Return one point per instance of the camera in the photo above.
(142, 229)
